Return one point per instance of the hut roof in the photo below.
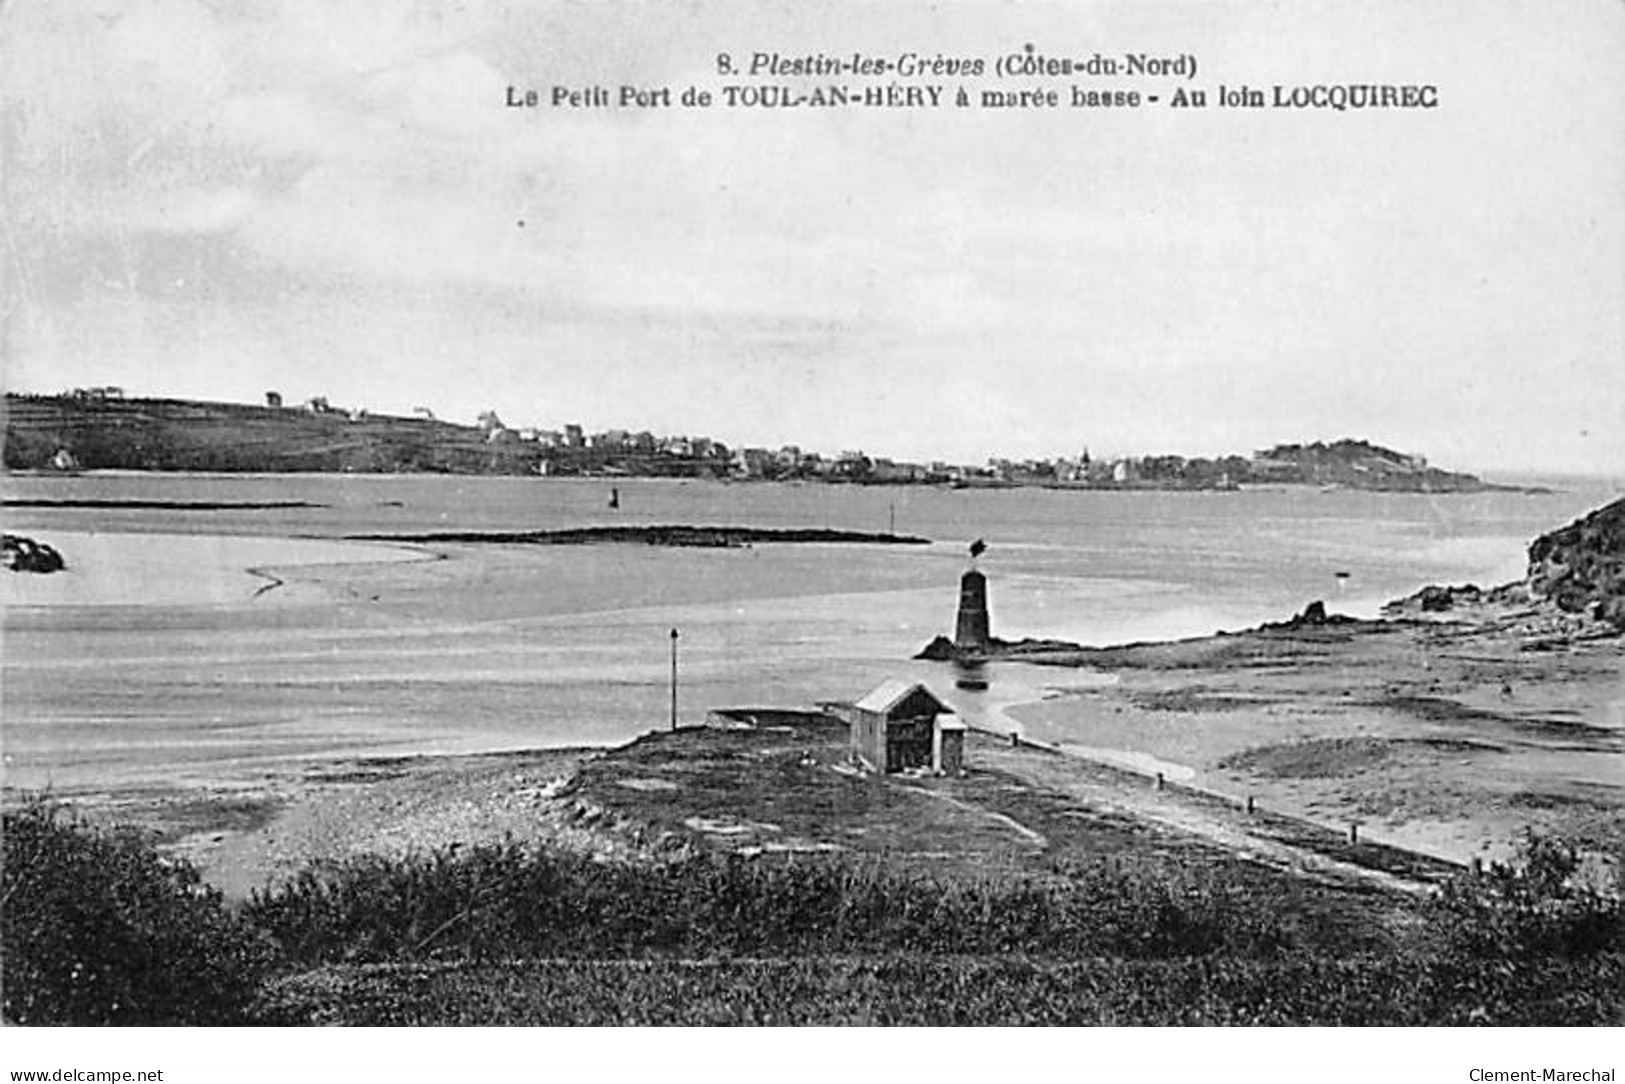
(891, 692)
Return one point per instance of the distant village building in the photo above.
(902, 725)
(755, 462)
(887, 470)
(110, 391)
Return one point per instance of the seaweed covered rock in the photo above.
(1581, 567)
(1435, 599)
(1314, 616)
(1465, 601)
(21, 554)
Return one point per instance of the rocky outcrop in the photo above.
(665, 535)
(1575, 586)
(1436, 599)
(21, 554)
(1581, 567)
(942, 649)
(1456, 600)
(1314, 616)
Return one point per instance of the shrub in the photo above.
(98, 928)
(1537, 908)
(501, 901)
(1522, 942)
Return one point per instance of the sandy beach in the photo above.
(1428, 736)
(114, 568)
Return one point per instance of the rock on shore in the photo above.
(21, 554)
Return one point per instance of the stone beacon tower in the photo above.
(971, 629)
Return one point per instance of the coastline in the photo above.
(1255, 703)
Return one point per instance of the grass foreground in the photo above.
(98, 928)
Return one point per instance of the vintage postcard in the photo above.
(831, 513)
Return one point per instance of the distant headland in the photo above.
(102, 429)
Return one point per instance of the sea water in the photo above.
(475, 647)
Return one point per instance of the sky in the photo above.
(213, 200)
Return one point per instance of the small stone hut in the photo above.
(901, 725)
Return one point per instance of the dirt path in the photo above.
(1302, 849)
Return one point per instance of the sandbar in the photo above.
(108, 568)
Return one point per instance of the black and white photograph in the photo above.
(690, 514)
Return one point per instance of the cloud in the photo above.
(300, 179)
(197, 211)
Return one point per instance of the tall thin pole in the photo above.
(674, 679)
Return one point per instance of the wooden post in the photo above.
(674, 679)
